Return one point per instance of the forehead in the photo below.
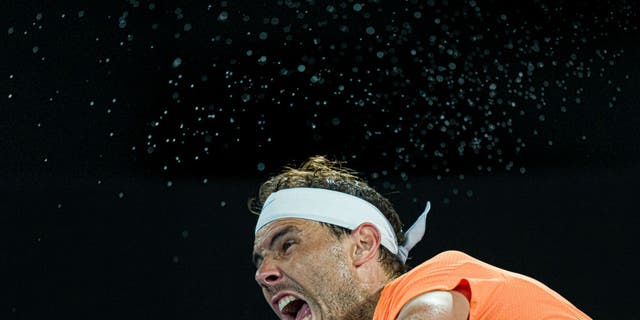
(297, 225)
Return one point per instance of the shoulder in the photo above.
(441, 272)
(448, 259)
(452, 255)
(423, 288)
(438, 305)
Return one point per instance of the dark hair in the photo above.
(320, 172)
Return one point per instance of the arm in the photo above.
(436, 305)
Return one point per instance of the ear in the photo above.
(366, 239)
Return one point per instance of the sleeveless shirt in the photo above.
(495, 293)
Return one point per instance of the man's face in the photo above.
(304, 270)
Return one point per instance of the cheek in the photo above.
(330, 277)
(340, 263)
(330, 265)
(317, 263)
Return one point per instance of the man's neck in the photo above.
(364, 310)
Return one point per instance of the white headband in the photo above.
(339, 209)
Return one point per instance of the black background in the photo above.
(133, 133)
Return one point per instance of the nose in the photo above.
(268, 274)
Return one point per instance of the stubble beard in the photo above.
(351, 303)
(364, 310)
(345, 299)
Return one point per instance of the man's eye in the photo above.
(287, 244)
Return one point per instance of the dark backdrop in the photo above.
(134, 132)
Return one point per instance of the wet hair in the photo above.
(320, 172)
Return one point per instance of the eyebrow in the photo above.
(256, 258)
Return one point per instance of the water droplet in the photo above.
(223, 16)
(176, 62)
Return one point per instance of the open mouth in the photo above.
(293, 308)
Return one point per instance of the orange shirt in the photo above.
(495, 293)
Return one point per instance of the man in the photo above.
(328, 246)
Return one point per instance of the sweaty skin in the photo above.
(436, 305)
(333, 278)
(303, 259)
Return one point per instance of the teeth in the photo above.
(285, 301)
(308, 317)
